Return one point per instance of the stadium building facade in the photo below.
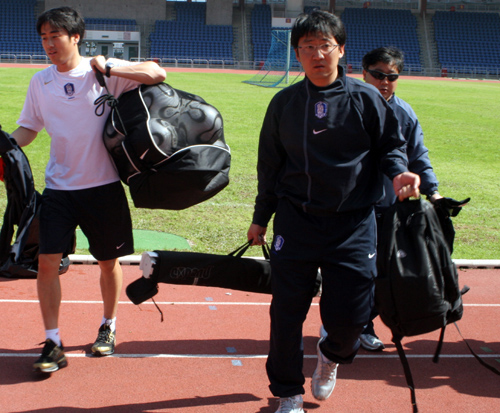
(434, 35)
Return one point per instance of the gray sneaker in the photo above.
(291, 404)
(324, 377)
(371, 343)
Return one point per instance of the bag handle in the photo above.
(109, 98)
(238, 252)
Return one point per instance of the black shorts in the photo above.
(102, 214)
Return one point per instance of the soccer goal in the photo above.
(280, 68)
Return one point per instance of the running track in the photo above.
(208, 354)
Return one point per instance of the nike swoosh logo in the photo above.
(46, 83)
(119, 246)
(370, 256)
(318, 131)
(144, 154)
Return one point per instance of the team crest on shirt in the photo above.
(321, 109)
(69, 89)
(278, 242)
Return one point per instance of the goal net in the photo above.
(280, 69)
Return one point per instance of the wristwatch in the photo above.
(108, 67)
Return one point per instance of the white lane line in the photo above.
(252, 356)
(187, 303)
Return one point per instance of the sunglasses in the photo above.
(391, 77)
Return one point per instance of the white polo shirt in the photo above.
(63, 104)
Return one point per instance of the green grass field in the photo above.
(460, 120)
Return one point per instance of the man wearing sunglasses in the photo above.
(381, 68)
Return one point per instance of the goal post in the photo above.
(280, 65)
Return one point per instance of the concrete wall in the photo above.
(294, 8)
(219, 12)
(143, 11)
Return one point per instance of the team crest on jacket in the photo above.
(278, 242)
(321, 109)
(69, 89)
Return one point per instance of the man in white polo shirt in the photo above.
(82, 185)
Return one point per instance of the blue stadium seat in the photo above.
(468, 41)
(16, 15)
(370, 28)
(189, 37)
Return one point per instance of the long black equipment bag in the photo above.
(417, 288)
(232, 271)
(168, 145)
(19, 259)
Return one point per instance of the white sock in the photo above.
(53, 335)
(111, 322)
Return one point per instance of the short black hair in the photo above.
(65, 18)
(389, 55)
(318, 22)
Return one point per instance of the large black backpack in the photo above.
(417, 288)
(168, 146)
(19, 254)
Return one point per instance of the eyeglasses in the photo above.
(391, 77)
(325, 49)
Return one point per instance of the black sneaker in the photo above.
(105, 343)
(52, 358)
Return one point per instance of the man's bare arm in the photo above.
(24, 136)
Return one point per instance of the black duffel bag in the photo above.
(168, 146)
(232, 271)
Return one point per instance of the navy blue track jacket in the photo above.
(325, 148)
(418, 154)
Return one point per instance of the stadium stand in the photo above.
(261, 31)
(369, 28)
(457, 42)
(188, 37)
(18, 36)
(468, 42)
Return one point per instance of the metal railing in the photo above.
(457, 72)
(22, 58)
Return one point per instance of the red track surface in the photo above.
(249, 72)
(209, 354)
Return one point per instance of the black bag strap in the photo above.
(435, 359)
(406, 367)
(238, 252)
(266, 251)
(481, 361)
